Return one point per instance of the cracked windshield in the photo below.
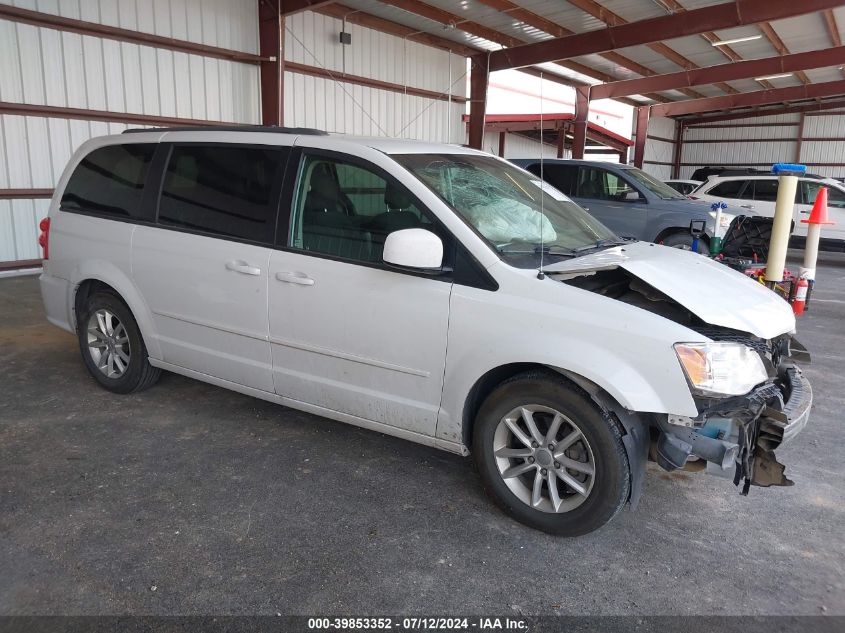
(519, 215)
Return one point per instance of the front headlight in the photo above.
(721, 369)
(724, 221)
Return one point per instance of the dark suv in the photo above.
(626, 199)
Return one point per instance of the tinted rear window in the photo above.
(224, 190)
(727, 189)
(110, 181)
(561, 177)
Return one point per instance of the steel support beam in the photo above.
(478, 80)
(271, 32)
(561, 140)
(796, 109)
(750, 99)
(800, 140)
(678, 149)
(720, 16)
(642, 136)
(724, 72)
(582, 114)
(502, 137)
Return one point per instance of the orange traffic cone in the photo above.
(818, 217)
(819, 213)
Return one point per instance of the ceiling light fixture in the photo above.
(767, 77)
(736, 40)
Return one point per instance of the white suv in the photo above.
(426, 291)
(753, 194)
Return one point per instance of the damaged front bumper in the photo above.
(738, 436)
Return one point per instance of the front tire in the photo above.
(684, 242)
(112, 346)
(549, 457)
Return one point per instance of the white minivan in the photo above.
(431, 292)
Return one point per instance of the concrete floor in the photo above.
(192, 499)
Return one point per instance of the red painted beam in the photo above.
(642, 136)
(720, 16)
(83, 114)
(582, 113)
(20, 264)
(749, 99)
(797, 109)
(271, 33)
(25, 194)
(724, 72)
(678, 150)
(478, 80)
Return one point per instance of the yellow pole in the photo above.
(787, 185)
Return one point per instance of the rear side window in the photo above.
(836, 197)
(766, 190)
(727, 189)
(601, 184)
(110, 181)
(225, 190)
(561, 177)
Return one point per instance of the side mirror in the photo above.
(631, 196)
(416, 249)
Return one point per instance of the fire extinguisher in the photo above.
(800, 298)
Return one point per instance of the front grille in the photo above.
(761, 346)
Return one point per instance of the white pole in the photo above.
(811, 252)
(788, 184)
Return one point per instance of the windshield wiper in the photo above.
(525, 249)
(606, 243)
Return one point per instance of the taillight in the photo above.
(44, 238)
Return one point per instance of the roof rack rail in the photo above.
(232, 128)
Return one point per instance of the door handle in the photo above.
(746, 206)
(295, 278)
(240, 266)
(586, 208)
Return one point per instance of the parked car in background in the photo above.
(703, 173)
(628, 200)
(755, 193)
(685, 187)
(394, 285)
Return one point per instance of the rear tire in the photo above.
(549, 457)
(112, 347)
(684, 241)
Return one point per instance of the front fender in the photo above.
(625, 351)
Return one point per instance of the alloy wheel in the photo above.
(544, 458)
(108, 343)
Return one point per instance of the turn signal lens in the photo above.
(721, 368)
(694, 362)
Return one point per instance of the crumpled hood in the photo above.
(715, 293)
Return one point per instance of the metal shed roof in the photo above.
(491, 25)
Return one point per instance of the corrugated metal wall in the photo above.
(518, 146)
(741, 142)
(45, 66)
(49, 67)
(313, 39)
(659, 147)
(831, 152)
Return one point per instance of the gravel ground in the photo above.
(190, 499)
